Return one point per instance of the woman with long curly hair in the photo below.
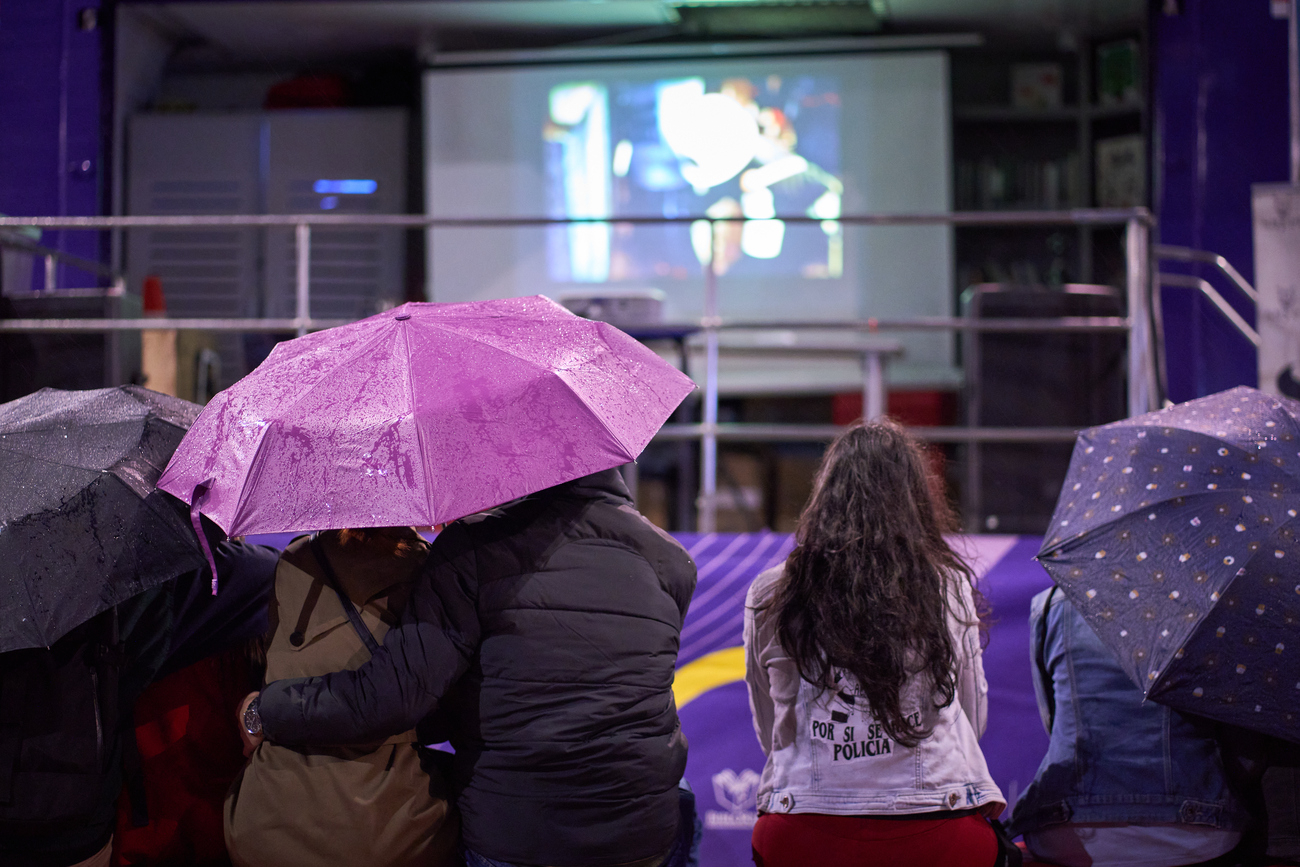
(865, 676)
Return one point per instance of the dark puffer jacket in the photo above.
(548, 631)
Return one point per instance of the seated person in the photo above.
(368, 804)
(1125, 781)
(67, 741)
(865, 675)
(548, 631)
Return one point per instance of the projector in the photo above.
(623, 308)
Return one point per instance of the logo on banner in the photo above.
(737, 794)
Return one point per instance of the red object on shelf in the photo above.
(912, 408)
(308, 91)
(152, 292)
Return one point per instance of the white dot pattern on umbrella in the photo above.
(1199, 497)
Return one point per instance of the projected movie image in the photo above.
(761, 148)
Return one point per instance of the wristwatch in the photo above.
(253, 717)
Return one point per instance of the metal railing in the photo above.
(52, 257)
(1168, 252)
(1137, 323)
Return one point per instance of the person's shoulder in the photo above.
(298, 552)
(763, 588)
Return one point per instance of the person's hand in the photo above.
(247, 719)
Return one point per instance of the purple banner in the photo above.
(725, 759)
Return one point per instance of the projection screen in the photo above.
(762, 138)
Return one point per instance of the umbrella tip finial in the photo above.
(399, 317)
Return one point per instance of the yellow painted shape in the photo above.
(708, 672)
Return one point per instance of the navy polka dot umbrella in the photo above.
(1176, 537)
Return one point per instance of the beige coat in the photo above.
(372, 804)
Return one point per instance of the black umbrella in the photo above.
(82, 526)
(1176, 537)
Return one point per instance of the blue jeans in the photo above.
(684, 853)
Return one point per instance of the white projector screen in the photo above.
(763, 138)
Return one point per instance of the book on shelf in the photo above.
(1121, 171)
(1118, 76)
(991, 183)
(1036, 85)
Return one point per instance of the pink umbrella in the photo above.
(421, 415)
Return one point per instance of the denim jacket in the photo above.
(1113, 757)
(826, 753)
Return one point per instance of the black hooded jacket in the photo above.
(547, 632)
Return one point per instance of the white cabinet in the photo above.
(344, 161)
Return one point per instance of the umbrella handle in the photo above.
(201, 490)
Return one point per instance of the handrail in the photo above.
(1086, 324)
(52, 255)
(1142, 382)
(1078, 216)
(1220, 303)
(759, 432)
(1189, 254)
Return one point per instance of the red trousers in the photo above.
(799, 839)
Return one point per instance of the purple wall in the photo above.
(1221, 124)
(51, 148)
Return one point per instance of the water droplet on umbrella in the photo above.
(1198, 692)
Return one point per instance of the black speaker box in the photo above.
(1037, 379)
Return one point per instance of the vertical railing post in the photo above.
(707, 507)
(302, 233)
(1293, 79)
(873, 385)
(51, 270)
(1141, 395)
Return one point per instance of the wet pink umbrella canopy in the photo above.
(421, 415)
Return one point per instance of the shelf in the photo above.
(1012, 114)
(1107, 111)
(1064, 114)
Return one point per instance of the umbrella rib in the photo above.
(607, 350)
(254, 469)
(1192, 627)
(1126, 515)
(51, 463)
(615, 437)
(419, 432)
(358, 352)
(58, 463)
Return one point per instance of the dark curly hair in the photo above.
(866, 588)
